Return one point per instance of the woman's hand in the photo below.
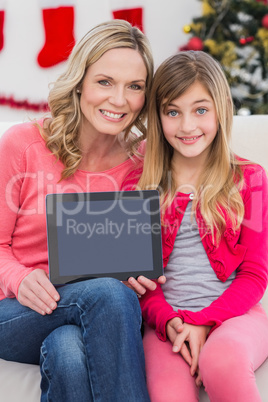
(194, 335)
(141, 284)
(37, 292)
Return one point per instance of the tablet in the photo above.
(103, 234)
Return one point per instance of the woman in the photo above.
(89, 332)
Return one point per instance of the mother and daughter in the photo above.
(205, 323)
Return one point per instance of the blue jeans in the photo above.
(89, 348)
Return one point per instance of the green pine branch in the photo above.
(222, 28)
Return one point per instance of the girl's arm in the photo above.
(251, 279)
(142, 284)
(157, 311)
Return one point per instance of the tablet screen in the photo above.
(115, 234)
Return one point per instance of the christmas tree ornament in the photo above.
(264, 21)
(183, 48)
(187, 28)
(242, 41)
(245, 41)
(195, 43)
(207, 9)
(244, 111)
(128, 10)
(58, 23)
(2, 21)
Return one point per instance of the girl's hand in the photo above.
(174, 327)
(195, 336)
(141, 284)
(37, 292)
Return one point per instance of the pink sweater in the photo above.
(245, 252)
(28, 172)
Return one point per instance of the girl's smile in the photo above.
(190, 123)
(191, 140)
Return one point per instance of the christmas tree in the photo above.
(235, 32)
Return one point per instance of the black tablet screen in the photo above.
(89, 236)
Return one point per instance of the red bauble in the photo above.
(264, 21)
(262, 1)
(195, 43)
(244, 41)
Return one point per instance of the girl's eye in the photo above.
(172, 113)
(201, 111)
(104, 83)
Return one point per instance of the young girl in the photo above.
(215, 251)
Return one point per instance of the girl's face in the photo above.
(190, 123)
(113, 91)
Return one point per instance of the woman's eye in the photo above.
(201, 111)
(105, 83)
(136, 87)
(172, 113)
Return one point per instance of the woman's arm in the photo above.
(31, 286)
(11, 271)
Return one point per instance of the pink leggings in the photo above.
(227, 362)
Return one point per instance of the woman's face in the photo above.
(113, 91)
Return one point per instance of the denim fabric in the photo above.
(89, 348)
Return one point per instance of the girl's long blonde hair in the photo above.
(222, 178)
(61, 133)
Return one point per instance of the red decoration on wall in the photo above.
(133, 15)
(59, 35)
(2, 20)
(23, 104)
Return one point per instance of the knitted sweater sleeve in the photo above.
(11, 166)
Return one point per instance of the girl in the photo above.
(215, 231)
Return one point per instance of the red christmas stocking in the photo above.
(2, 20)
(124, 11)
(59, 35)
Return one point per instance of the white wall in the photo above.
(22, 78)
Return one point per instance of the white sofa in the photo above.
(21, 382)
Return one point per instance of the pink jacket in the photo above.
(245, 251)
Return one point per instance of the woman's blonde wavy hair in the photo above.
(222, 178)
(61, 132)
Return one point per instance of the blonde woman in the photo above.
(85, 335)
(215, 229)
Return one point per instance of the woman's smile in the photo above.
(112, 115)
